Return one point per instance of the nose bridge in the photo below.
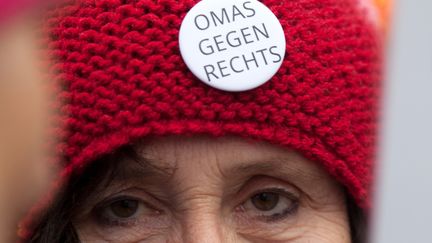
(202, 222)
(205, 229)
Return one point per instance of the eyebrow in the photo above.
(254, 166)
(139, 167)
(286, 167)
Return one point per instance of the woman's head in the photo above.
(123, 81)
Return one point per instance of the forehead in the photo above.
(226, 151)
(223, 157)
(199, 145)
(177, 167)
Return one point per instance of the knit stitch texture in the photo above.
(123, 79)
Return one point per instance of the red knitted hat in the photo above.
(124, 79)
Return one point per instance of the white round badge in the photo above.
(232, 45)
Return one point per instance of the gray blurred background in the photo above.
(404, 191)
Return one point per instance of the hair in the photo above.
(56, 225)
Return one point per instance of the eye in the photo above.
(270, 205)
(265, 201)
(125, 208)
(124, 211)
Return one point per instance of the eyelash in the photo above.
(280, 216)
(112, 222)
(109, 221)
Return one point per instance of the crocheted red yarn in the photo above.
(124, 79)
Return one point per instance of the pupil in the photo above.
(124, 208)
(265, 201)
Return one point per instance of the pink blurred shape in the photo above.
(9, 8)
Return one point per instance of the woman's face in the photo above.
(215, 190)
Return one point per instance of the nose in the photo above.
(202, 227)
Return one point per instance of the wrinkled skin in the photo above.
(215, 190)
